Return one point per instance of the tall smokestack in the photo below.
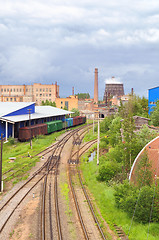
(96, 86)
(73, 91)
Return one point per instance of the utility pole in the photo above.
(93, 124)
(1, 163)
(30, 127)
(98, 142)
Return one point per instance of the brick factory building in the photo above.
(29, 93)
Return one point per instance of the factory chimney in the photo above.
(96, 86)
(73, 91)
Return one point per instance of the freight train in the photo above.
(26, 133)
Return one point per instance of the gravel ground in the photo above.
(25, 223)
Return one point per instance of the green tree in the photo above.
(114, 134)
(130, 140)
(108, 171)
(76, 112)
(83, 95)
(135, 106)
(47, 103)
(65, 108)
(155, 115)
(143, 171)
(128, 197)
(144, 136)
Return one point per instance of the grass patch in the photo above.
(22, 164)
(65, 192)
(104, 196)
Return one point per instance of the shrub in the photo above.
(11, 140)
(108, 171)
(128, 197)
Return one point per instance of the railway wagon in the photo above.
(84, 119)
(69, 122)
(64, 124)
(26, 133)
(54, 126)
(77, 120)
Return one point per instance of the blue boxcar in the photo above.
(69, 122)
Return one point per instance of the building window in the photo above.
(46, 89)
(11, 90)
(49, 95)
(40, 95)
(17, 89)
(66, 104)
(43, 89)
(43, 94)
(7, 90)
(46, 95)
(36, 94)
(4, 90)
(20, 89)
(7, 99)
(14, 89)
(40, 89)
(61, 102)
(11, 99)
(15, 99)
(50, 89)
(37, 89)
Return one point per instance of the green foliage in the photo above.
(145, 135)
(105, 124)
(45, 103)
(83, 95)
(116, 154)
(155, 115)
(114, 131)
(76, 112)
(65, 108)
(144, 171)
(108, 171)
(135, 106)
(11, 140)
(129, 197)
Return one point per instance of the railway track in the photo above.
(88, 232)
(10, 206)
(43, 153)
(73, 170)
(48, 228)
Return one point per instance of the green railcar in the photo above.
(64, 124)
(54, 126)
(59, 125)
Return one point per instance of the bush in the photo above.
(129, 197)
(11, 140)
(108, 171)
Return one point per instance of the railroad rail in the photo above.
(73, 167)
(37, 178)
(42, 173)
(79, 152)
(42, 153)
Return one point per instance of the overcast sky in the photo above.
(65, 40)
